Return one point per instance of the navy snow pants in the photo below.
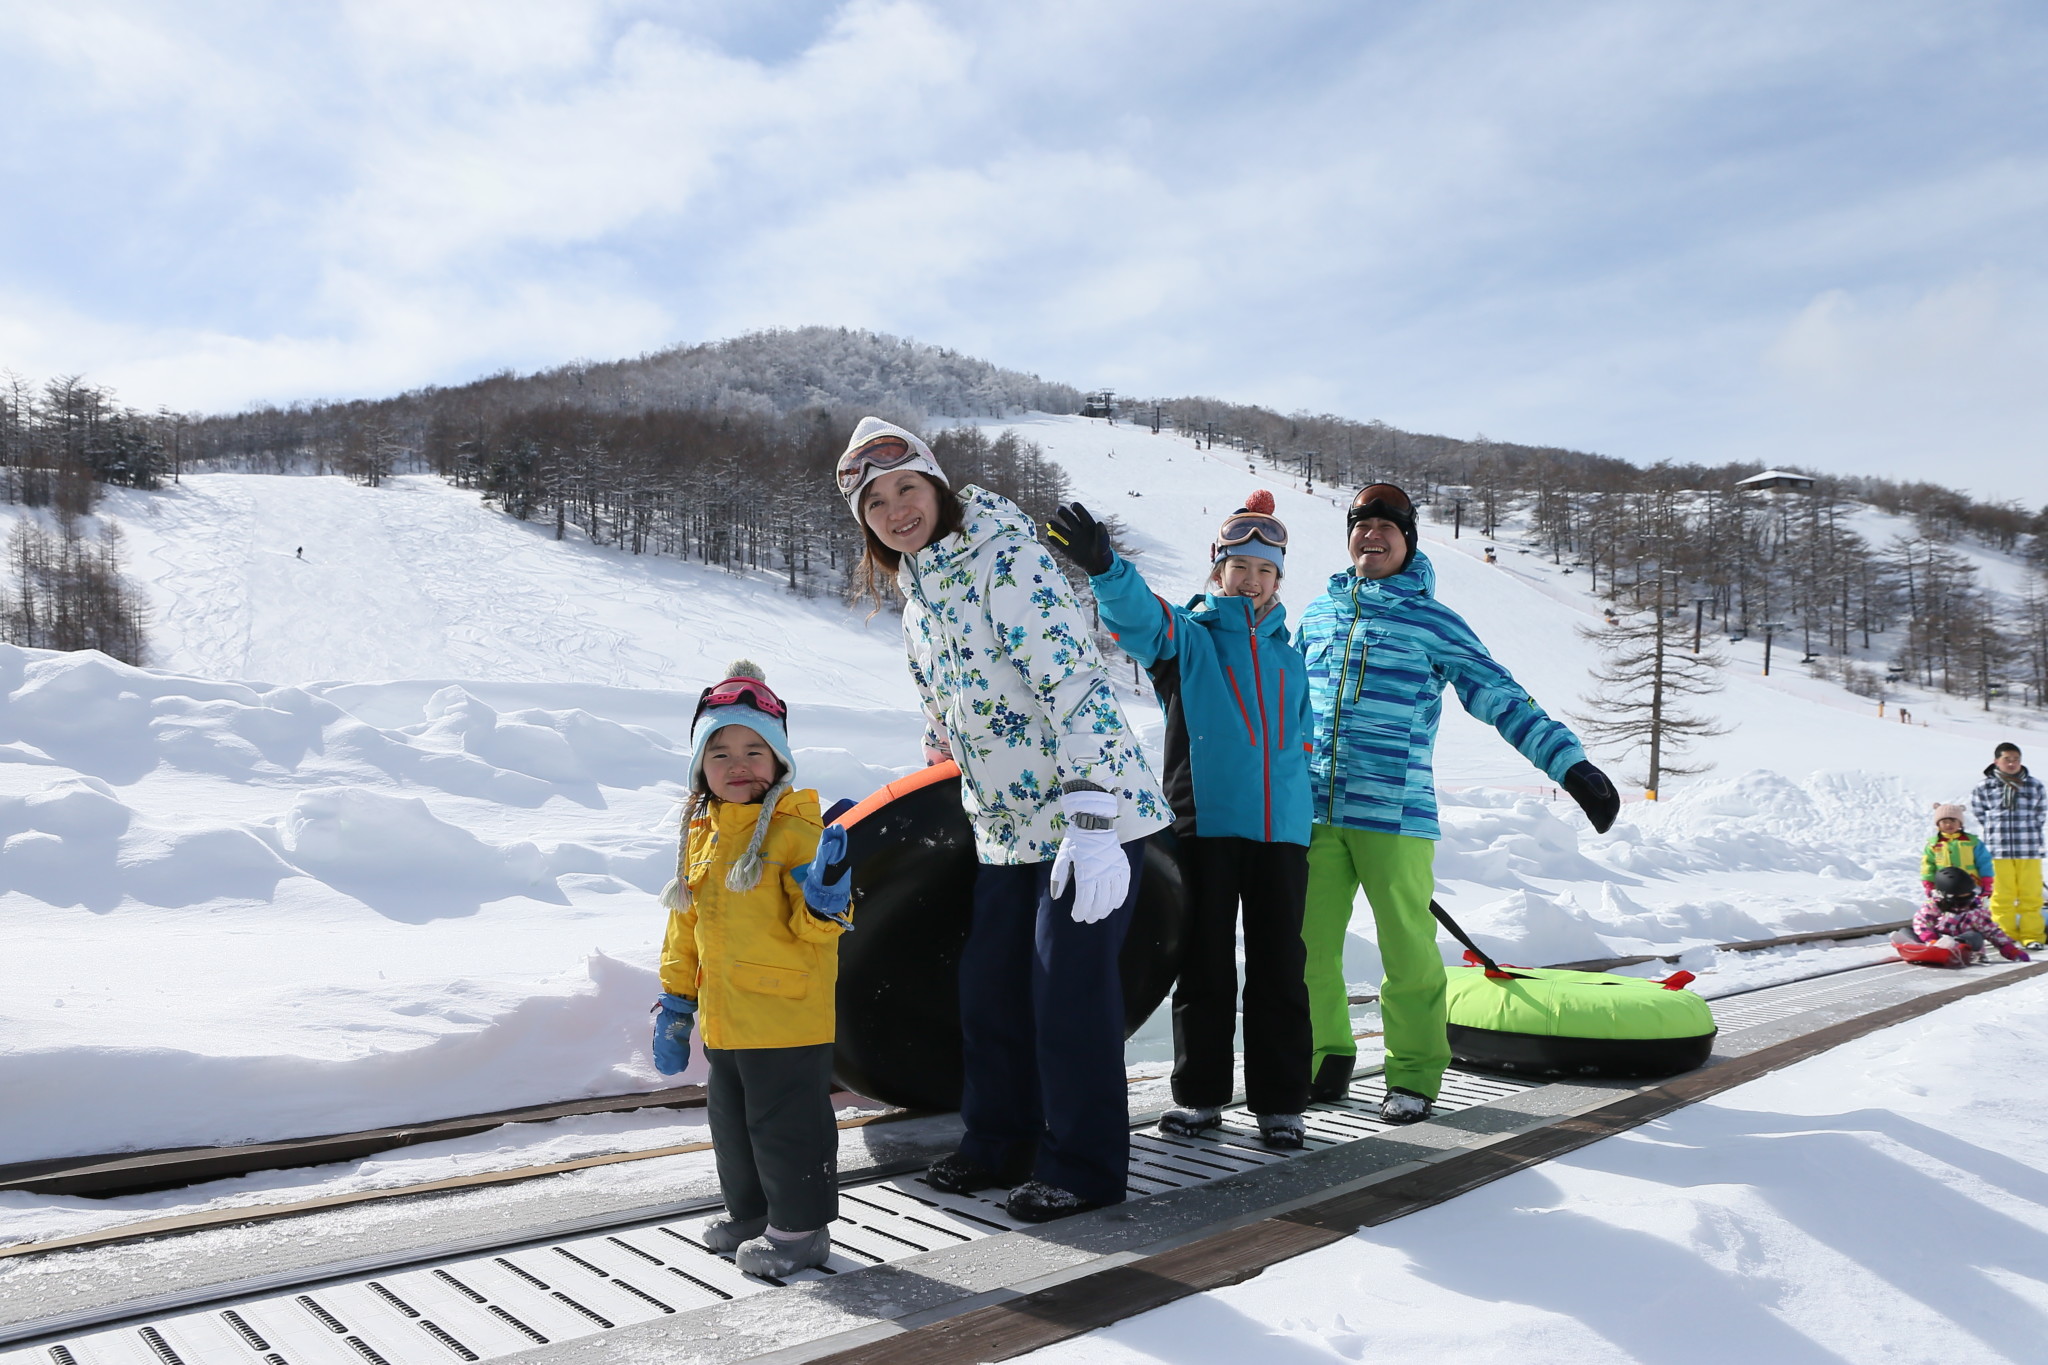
(1042, 1031)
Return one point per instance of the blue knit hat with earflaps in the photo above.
(733, 702)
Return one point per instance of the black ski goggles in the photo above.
(1381, 500)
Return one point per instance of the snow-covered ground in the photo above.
(1884, 1202)
(377, 838)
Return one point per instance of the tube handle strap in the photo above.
(1473, 954)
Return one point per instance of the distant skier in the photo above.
(1235, 694)
(1380, 649)
(1061, 798)
(301, 554)
(752, 950)
(2011, 805)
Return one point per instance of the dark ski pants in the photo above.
(1271, 882)
(1042, 1032)
(773, 1134)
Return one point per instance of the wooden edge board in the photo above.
(1087, 1302)
(1754, 945)
(126, 1172)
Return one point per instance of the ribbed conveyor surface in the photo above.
(504, 1301)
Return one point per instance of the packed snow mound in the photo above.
(340, 921)
(387, 1050)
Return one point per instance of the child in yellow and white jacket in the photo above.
(749, 961)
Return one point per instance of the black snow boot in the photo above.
(1333, 1079)
(1404, 1106)
(1034, 1201)
(956, 1174)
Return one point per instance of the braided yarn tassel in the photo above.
(746, 869)
(681, 897)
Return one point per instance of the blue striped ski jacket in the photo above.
(1379, 652)
(1236, 702)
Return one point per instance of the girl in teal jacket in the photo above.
(1237, 730)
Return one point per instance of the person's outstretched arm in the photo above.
(1489, 692)
(1045, 637)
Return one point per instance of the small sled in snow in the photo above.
(1943, 952)
(1547, 1021)
(912, 852)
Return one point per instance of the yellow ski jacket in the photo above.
(760, 966)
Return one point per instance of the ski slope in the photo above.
(377, 837)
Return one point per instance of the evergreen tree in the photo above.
(1646, 677)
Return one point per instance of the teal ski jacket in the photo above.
(1235, 693)
(1379, 652)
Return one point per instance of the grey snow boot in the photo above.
(1283, 1132)
(724, 1235)
(774, 1259)
(1403, 1106)
(1191, 1121)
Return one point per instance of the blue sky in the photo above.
(1779, 232)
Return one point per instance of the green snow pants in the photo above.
(1397, 872)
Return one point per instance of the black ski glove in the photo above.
(1596, 796)
(1080, 537)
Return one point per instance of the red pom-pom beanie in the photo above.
(1252, 530)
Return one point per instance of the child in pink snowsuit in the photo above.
(1954, 910)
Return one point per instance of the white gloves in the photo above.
(1091, 858)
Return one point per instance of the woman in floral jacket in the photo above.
(1061, 799)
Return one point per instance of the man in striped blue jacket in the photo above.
(1380, 649)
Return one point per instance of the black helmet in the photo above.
(1954, 887)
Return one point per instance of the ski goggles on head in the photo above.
(880, 455)
(1381, 500)
(741, 692)
(1249, 526)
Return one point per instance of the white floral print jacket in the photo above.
(1013, 687)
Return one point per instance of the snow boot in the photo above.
(777, 1258)
(1333, 1079)
(1034, 1201)
(1403, 1106)
(1191, 1121)
(956, 1174)
(1283, 1132)
(724, 1235)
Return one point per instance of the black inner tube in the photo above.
(899, 970)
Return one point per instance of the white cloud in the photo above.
(1791, 229)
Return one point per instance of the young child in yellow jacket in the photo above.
(749, 961)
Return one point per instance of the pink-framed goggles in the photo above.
(877, 456)
(742, 692)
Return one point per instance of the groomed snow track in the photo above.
(918, 1275)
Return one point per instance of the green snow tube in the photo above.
(1545, 1021)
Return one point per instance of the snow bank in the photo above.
(476, 1046)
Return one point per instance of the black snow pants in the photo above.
(1042, 1033)
(773, 1134)
(1271, 882)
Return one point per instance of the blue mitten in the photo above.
(672, 1027)
(828, 881)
